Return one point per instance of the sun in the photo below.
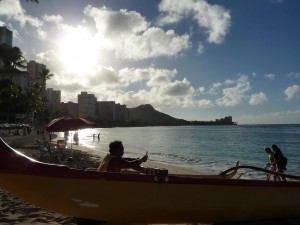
(78, 51)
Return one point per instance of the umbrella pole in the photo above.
(72, 144)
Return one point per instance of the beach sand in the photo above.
(15, 211)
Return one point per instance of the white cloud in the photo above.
(229, 82)
(41, 34)
(178, 88)
(152, 76)
(270, 76)
(205, 103)
(12, 9)
(214, 18)
(154, 42)
(161, 76)
(258, 99)
(292, 92)
(235, 95)
(117, 24)
(53, 18)
(201, 89)
(51, 59)
(131, 37)
(200, 48)
(107, 77)
(215, 88)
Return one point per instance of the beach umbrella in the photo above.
(64, 124)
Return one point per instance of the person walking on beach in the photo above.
(114, 161)
(271, 165)
(280, 160)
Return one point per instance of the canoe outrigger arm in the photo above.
(233, 171)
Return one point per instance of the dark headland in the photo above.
(146, 115)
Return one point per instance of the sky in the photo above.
(191, 59)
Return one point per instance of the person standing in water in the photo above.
(271, 165)
(280, 160)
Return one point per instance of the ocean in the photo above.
(202, 148)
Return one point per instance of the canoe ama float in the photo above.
(140, 198)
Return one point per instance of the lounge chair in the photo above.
(61, 145)
(46, 149)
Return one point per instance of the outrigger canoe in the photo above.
(141, 198)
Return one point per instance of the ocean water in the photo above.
(212, 148)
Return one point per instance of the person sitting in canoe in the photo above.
(114, 162)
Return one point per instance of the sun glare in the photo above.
(78, 51)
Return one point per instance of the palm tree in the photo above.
(44, 76)
(9, 93)
(12, 57)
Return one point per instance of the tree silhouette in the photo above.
(12, 57)
(44, 76)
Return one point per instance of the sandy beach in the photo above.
(15, 211)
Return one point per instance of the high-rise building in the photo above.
(122, 113)
(54, 98)
(68, 109)
(49, 94)
(106, 112)
(87, 105)
(35, 70)
(6, 36)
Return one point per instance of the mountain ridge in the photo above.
(148, 116)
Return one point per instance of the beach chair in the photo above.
(61, 145)
(44, 149)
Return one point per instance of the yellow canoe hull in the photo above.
(121, 201)
(137, 198)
